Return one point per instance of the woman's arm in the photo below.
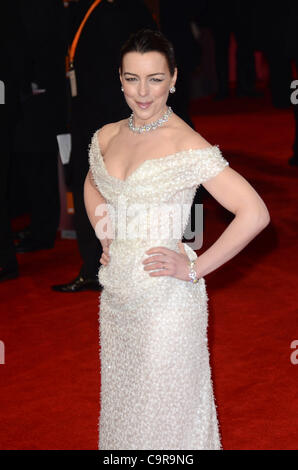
(92, 199)
(96, 208)
(234, 193)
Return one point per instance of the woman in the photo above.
(156, 386)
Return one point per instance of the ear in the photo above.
(120, 76)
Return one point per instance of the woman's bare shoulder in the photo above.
(186, 137)
(108, 131)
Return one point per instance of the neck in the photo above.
(138, 122)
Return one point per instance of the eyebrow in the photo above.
(150, 75)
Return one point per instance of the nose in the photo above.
(143, 88)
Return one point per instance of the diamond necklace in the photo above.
(152, 125)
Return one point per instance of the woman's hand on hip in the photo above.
(105, 257)
(168, 261)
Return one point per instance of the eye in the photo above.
(156, 79)
(130, 79)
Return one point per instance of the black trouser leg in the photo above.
(7, 250)
(45, 200)
(280, 77)
(89, 246)
(245, 59)
(221, 37)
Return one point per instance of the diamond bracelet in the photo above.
(192, 273)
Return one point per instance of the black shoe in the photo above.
(28, 244)
(79, 284)
(7, 272)
(293, 160)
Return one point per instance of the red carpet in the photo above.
(49, 390)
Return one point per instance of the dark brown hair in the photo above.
(147, 40)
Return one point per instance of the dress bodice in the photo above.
(157, 179)
(167, 181)
(151, 207)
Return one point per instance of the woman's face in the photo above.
(146, 80)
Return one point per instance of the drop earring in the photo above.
(172, 89)
(122, 89)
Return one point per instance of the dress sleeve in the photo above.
(205, 164)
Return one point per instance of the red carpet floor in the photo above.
(49, 392)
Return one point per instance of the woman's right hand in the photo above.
(105, 257)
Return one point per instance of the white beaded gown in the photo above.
(156, 387)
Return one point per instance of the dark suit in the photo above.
(44, 115)
(99, 101)
(11, 74)
(224, 18)
(271, 32)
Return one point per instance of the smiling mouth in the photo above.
(143, 105)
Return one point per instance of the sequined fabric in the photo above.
(156, 386)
